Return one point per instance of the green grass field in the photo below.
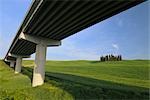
(80, 80)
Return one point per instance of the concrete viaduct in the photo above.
(47, 22)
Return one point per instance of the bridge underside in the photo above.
(57, 20)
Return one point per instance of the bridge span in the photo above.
(47, 22)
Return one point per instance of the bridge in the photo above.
(47, 22)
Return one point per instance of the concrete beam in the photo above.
(23, 56)
(18, 65)
(40, 40)
(39, 68)
(8, 60)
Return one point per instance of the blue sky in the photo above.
(125, 33)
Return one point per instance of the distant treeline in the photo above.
(111, 58)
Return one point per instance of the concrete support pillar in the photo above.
(12, 64)
(18, 65)
(40, 56)
(39, 68)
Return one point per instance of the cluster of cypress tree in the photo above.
(111, 58)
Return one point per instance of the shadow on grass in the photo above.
(85, 88)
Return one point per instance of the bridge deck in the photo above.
(59, 19)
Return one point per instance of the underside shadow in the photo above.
(85, 88)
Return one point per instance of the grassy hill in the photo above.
(84, 80)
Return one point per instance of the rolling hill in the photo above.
(80, 80)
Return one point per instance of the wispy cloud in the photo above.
(119, 22)
(70, 51)
(115, 46)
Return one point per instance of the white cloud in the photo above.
(119, 22)
(115, 46)
(69, 51)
